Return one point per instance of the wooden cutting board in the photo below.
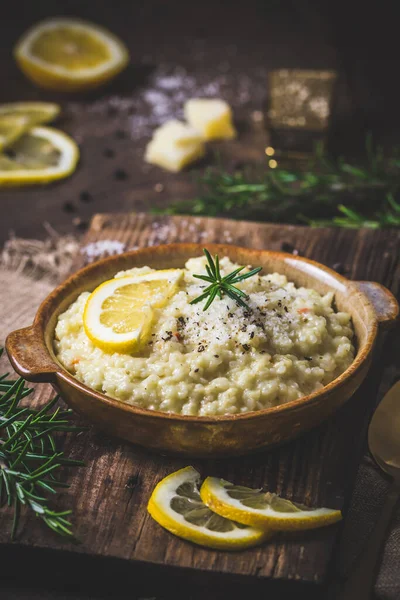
(109, 496)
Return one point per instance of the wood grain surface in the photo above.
(181, 50)
(109, 496)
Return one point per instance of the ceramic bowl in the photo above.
(32, 355)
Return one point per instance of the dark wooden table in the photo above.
(182, 49)
(320, 467)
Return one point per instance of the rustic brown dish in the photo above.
(31, 353)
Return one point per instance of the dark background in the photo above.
(244, 40)
(204, 41)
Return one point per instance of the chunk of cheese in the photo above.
(166, 154)
(178, 133)
(211, 116)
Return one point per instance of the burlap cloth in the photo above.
(29, 271)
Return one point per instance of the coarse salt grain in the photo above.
(163, 95)
(94, 250)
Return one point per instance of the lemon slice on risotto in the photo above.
(119, 313)
(262, 509)
(176, 505)
(40, 156)
(70, 54)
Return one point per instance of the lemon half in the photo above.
(40, 156)
(70, 54)
(263, 510)
(176, 505)
(119, 313)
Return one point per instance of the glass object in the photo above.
(299, 109)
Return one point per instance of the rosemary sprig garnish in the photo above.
(29, 459)
(333, 193)
(222, 285)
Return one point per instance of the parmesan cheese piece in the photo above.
(164, 153)
(174, 145)
(211, 116)
(178, 133)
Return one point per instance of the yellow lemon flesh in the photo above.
(35, 113)
(176, 505)
(11, 128)
(119, 313)
(40, 156)
(17, 117)
(70, 54)
(262, 509)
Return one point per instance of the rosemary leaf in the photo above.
(247, 275)
(222, 285)
(29, 458)
(314, 194)
(211, 298)
(232, 275)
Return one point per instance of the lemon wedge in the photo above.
(11, 128)
(119, 313)
(176, 505)
(35, 113)
(262, 510)
(70, 54)
(40, 156)
(16, 118)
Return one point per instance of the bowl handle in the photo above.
(29, 356)
(385, 304)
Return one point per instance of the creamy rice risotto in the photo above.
(222, 361)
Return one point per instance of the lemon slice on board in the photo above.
(16, 118)
(262, 509)
(40, 156)
(11, 128)
(35, 113)
(119, 313)
(70, 54)
(176, 505)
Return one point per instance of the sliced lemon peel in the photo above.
(17, 118)
(235, 537)
(15, 172)
(35, 112)
(119, 313)
(70, 54)
(215, 493)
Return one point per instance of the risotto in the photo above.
(221, 361)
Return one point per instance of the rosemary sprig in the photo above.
(322, 193)
(29, 459)
(222, 285)
(389, 216)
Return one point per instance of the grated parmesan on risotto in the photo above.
(225, 360)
